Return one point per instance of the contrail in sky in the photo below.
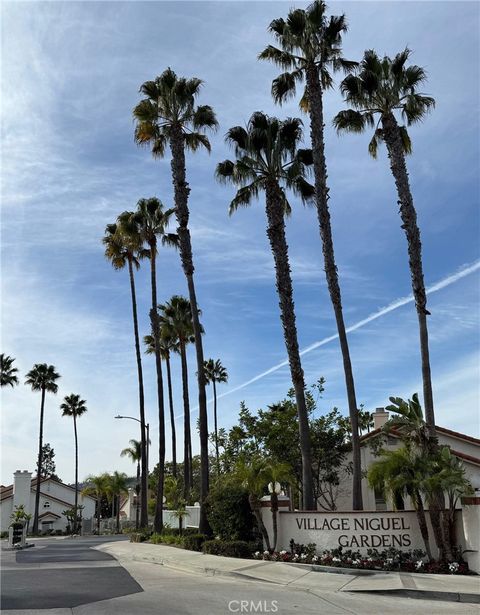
(447, 281)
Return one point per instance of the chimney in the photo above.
(380, 417)
(22, 486)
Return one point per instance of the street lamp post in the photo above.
(147, 426)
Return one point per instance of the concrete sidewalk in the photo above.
(302, 576)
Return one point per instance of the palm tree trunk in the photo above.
(172, 417)
(187, 438)
(321, 189)
(255, 507)
(118, 513)
(278, 243)
(216, 425)
(274, 507)
(137, 493)
(409, 224)
(39, 465)
(408, 214)
(74, 529)
(141, 399)
(99, 508)
(158, 520)
(422, 522)
(181, 191)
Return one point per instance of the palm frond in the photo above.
(194, 140)
(285, 85)
(224, 171)
(204, 117)
(243, 198)
(349, 121)
(406, 141)
(279, 56)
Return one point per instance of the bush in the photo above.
(167, 539)
(228, 548)
(3, 535)
(140, 536)
(174, 531)
(229, 512)
(194, 542)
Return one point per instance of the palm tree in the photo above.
(168, 345)
(273, 474)
(249, 474)
(310, 50)
(116, 486)
(8, 373)
(399, 473)
(176, 322)
(41, 377)
(268, 160)
(134, 451)
(97, 486)
(123, 247)
(151, 221)
(215, 372)
(410, 424)
(168, 115)
(380, 89)
(74, 406)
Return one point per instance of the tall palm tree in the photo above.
(168, 115)
(379, 90)
(151, 220)
(74, 406)
(168, 345)
(41, 377)
(310, 49)
(215, 372)
(134, 451)
(8, 373)
(97, 486)
(268, 159)
(116, 486)
(123, 247)
(176, 321)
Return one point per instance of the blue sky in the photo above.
(71, 73)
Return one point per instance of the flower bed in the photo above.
(388, 560)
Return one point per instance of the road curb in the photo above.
(421, 594)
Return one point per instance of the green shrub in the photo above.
(140, 536)
(3, 535)
(167, 539)
(229, 512)
(174, 531)
(194, 542)
(228, 548)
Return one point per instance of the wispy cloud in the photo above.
(394, 305)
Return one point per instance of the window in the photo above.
(46, 505)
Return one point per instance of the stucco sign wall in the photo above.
(358, 531)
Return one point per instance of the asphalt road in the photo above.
(70, 578)
(62, 574)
